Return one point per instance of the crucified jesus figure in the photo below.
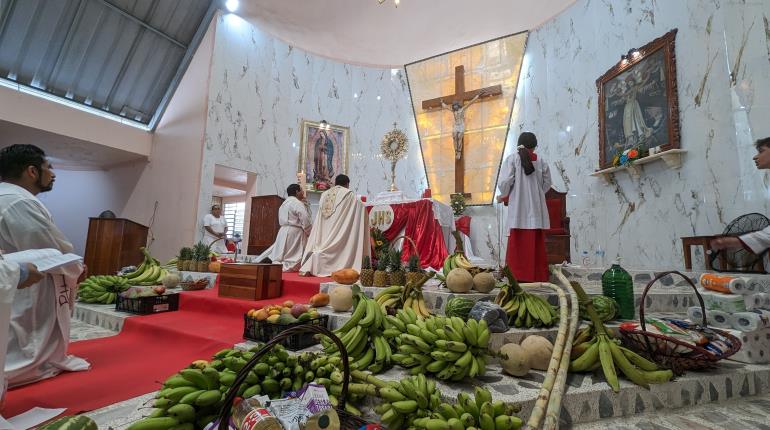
(458, 130)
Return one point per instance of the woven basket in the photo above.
(672, 353)
(195, 285)
(348, 421)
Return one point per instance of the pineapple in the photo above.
(381, 275)
(413, 273)
(367, 273)
(397, 275)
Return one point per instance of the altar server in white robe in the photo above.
(12, 276)
(757, 241)
(40, 316)
(340, 235)
(294, 219)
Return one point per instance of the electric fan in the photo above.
(740, 260)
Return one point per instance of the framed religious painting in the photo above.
(323, 154)
(638, 104)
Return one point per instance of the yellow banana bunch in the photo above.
(594, 347)
(150, 272)
(524, 309)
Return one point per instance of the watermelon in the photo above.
(77, 422)
(604, 306)
(458, 307)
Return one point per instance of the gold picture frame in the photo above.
(331, 143)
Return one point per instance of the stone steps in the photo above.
(669, 300)
(588, 398)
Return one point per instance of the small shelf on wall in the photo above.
(672, 158)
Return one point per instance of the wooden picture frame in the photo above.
(638, 102)
(336, 160)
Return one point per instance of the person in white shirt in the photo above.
(294, 219)
(758, 241)
(12, 276)
(524, 180)
(215, 230)
(40, 315)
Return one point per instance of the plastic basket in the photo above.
(348, 421)
(263, 331)
(148, 305)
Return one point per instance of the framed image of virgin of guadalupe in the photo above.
(323, 154)
(638, 103)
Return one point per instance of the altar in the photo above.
(428, 222)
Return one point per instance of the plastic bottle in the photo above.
(249, 414)
(617, 284)
(586, 261)
(599, 256)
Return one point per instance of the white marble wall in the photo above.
(642, 219)
(260, 90)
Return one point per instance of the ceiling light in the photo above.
(231, 5)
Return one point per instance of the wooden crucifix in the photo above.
(457, 104)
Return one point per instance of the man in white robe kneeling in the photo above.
(294, 219)
(40, 315)
(340, 235)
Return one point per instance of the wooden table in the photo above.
(705, 242)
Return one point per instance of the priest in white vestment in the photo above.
(40, 316)
(294, 219)
(340, 235)
(12, 276)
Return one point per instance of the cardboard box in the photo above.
(250, 281)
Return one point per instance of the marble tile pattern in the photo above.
(722, 51)
(261, 89)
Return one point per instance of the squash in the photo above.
(319, 300)
(459, 281)
(341, 299)
(171, 280)
(345, 276)
(214, 266)
(484, 282)
(538, 350)
(514, 360)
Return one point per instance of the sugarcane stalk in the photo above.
(554, 403)
(538, 411)
(368, 378)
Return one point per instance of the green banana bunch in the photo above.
(150, 272)
(449, 348)
(524, 309)
(362, 336)
(407, 400)
(390, 297)
(594, 347)
(193, 396)
(102, 289)
(478, 412)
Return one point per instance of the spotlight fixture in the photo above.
(632, 54)
(324, 125)
(396, 2)
(231, 5)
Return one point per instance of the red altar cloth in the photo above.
(422, 227)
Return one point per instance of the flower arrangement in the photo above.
(630, 155)
(458, 204)
(379, 242)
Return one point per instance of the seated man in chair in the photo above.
(758, 241)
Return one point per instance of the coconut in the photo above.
(514, 359)
(459, 281)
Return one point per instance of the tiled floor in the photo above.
(745, 414)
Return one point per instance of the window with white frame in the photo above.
(234, 213)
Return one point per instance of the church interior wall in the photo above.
(642, 220)
(260, 91)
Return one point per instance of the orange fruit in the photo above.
(288, 304)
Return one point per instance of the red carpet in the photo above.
(148, 350)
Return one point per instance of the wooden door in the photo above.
(263, 223)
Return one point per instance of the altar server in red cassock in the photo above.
(524, 180)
